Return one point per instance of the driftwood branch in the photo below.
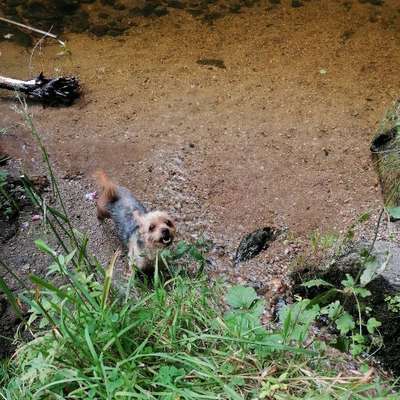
(49, 91)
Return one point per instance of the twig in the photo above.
(33, 29)
(38, 43)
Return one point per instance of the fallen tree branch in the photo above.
(49, 91)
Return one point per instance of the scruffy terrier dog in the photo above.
(142, 232)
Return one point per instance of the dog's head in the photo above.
(157, 228)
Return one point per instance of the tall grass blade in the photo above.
(108, 279)
(11, 298)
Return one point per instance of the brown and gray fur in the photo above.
(143, 232)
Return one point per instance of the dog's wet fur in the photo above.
(143, 232)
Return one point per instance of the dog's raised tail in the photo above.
(108, 193)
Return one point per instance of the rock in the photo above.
(119, 6)
(373, 2)
(296, 3)
(79, 22)
(66, 6)
(235, 8)
(195, 12)
(175, 4)
(159, 11)
(210, 17)
(149, 9)
(14, 3)
(391, 273)
(213, 62)
(254, 243)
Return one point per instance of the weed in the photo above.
(360, 333)
(322, 241)
(8, 205)
(393, 303)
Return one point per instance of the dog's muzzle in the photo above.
(166, 237)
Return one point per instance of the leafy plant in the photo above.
(393, 302)
(356, 332)
(323, 241)
(8, 205)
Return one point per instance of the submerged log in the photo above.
(49, 91)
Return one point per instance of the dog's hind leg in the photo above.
(108, 194)
(102, 212)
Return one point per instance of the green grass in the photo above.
(185, 336)
(172, 341)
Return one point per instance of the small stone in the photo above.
(175, 4)
(296, 3)
(253, 243)
(160, 11)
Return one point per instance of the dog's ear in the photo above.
(172, 221)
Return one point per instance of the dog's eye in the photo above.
(152, 227)
(169, 223)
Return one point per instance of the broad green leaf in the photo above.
(370, 268)
(332, 309)
(345, 323)
(349, 281)
(41, 245)
(372, 324)
(362, 292)
(356, 349)
(240, 297)
(69, 257)
(167, 374)
(358, 338)
(394, 212)
(324, 297)
(287, 323)
(47, 285)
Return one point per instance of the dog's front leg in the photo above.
(131, 250)
(135, 258)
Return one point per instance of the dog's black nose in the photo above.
(165, 234)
